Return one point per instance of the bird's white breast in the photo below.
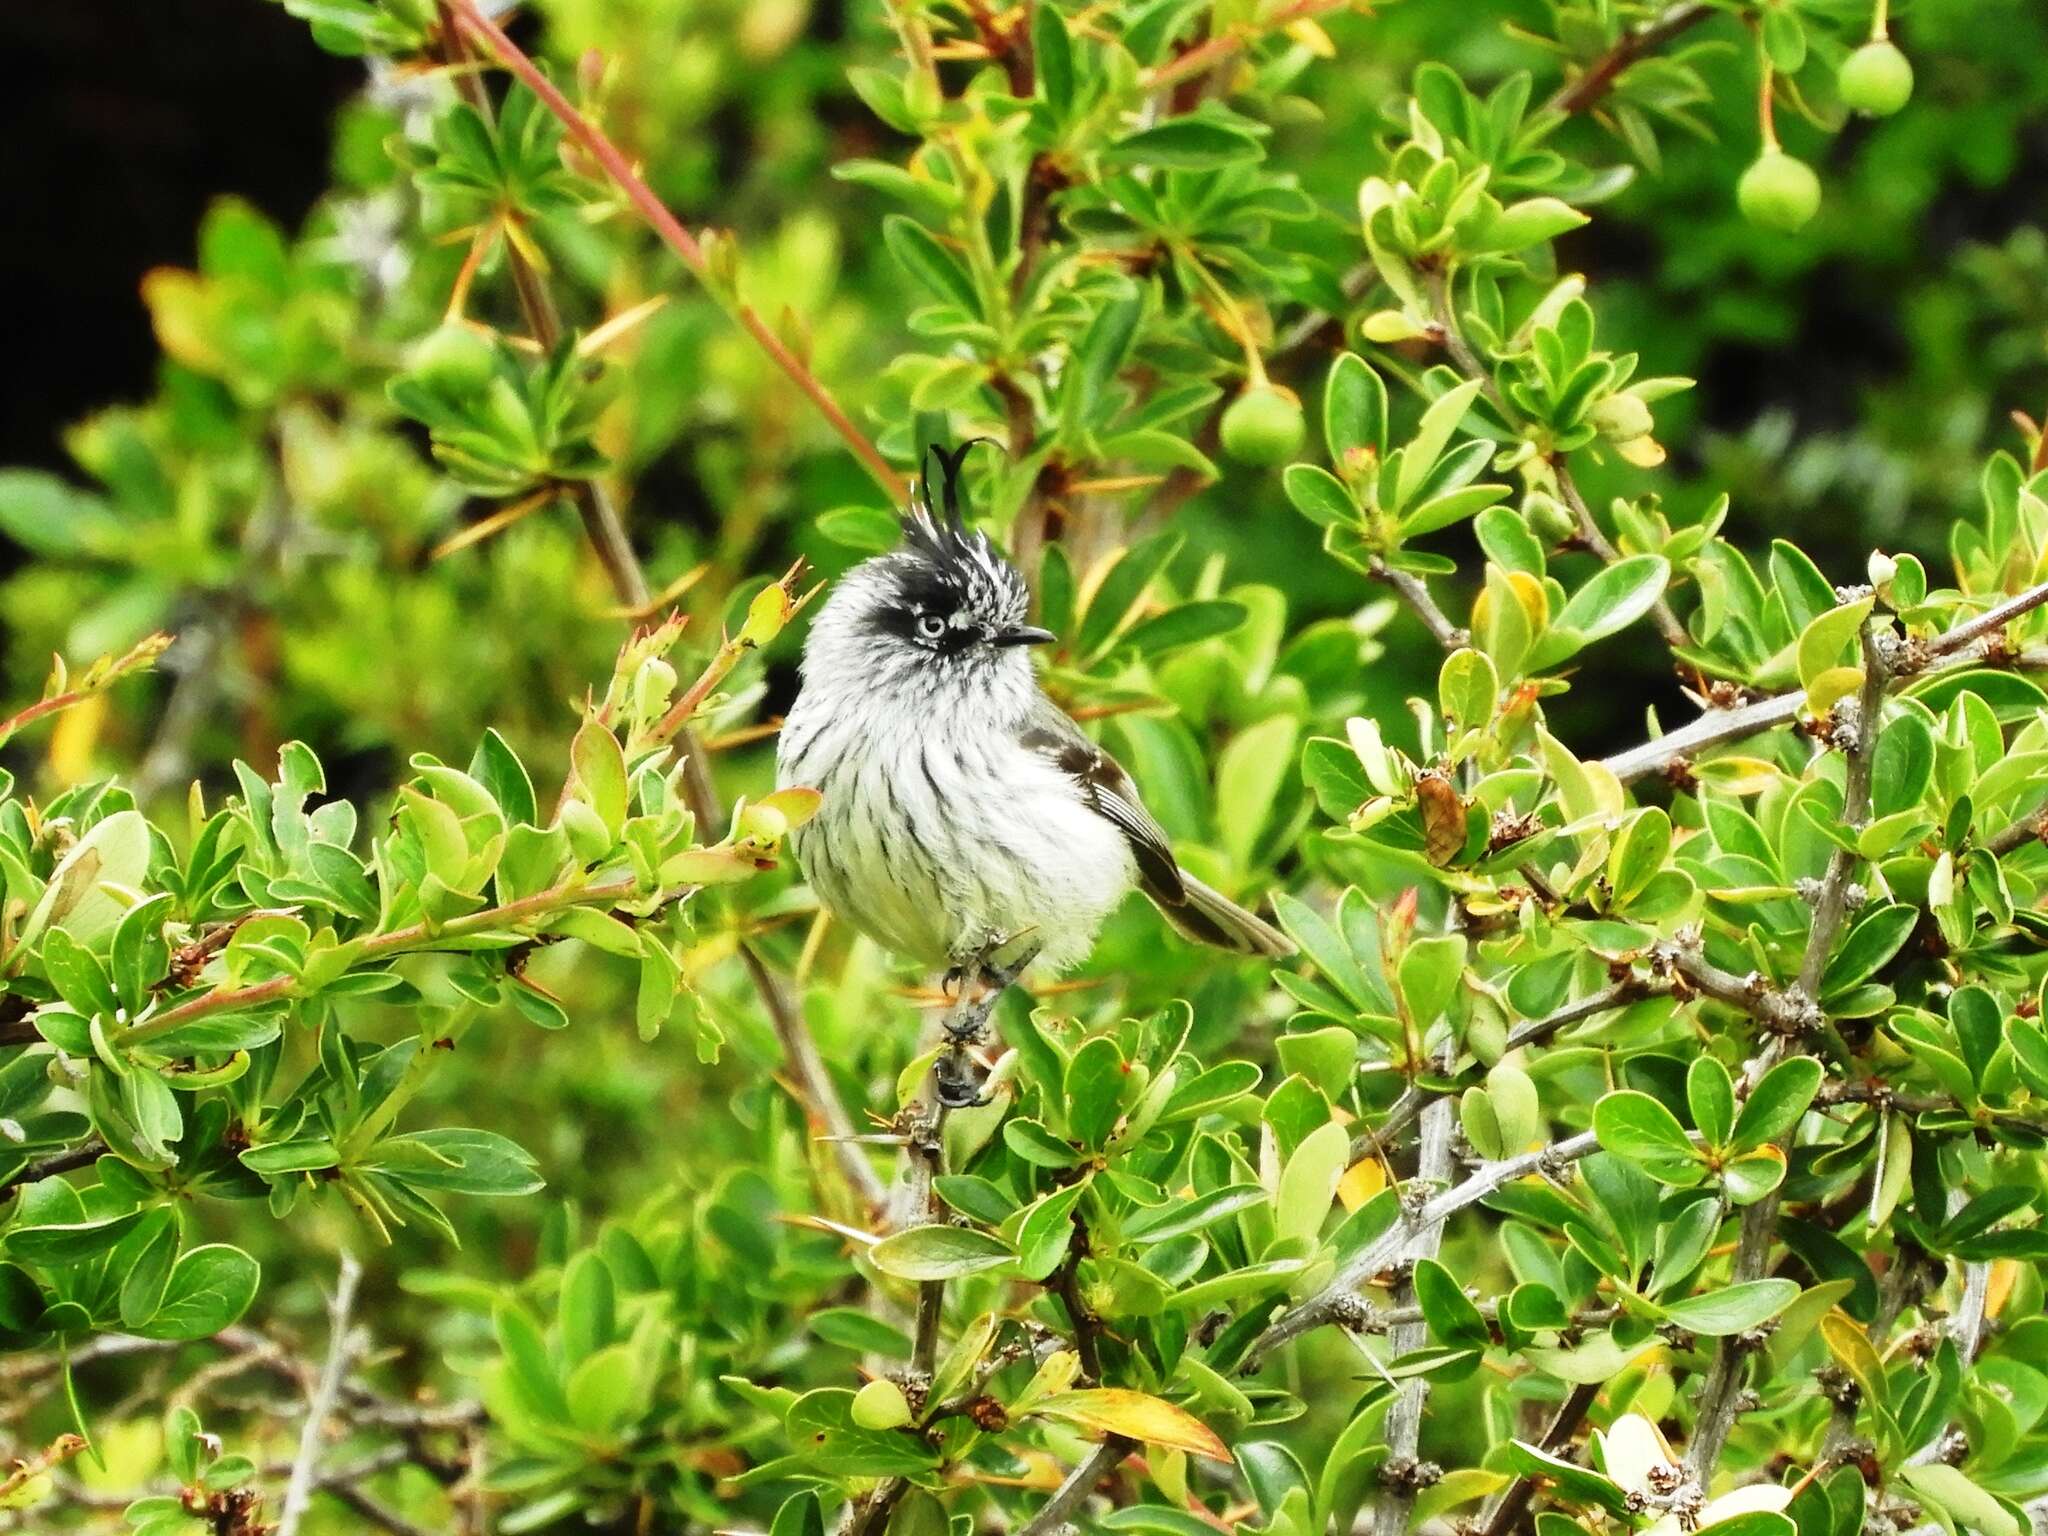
(939, 832)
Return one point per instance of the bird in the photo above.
(962, 810)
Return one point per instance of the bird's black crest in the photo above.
(954, 557)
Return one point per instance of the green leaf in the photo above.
(1185, 144)
(62, 1244)
(209, 1288)
(1095, 1080)
(1733, 1308)
(1615, 597)
(1354, 413)
(1710, 1094)
(1577, 1484)
(1308, 1184)
(1955, 1493)
(1430, 974)
(942, 274)
(1319, 496)
(1177, 1218)
(1638, 1128)
(1432, 434)
(1777, 1102)
(1877, 936)
(1450, 1313)
(939, 1253)
(1826, 642)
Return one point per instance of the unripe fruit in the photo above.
(1263, 427)
(1778, 192)
(455, 360)
(1875, 80)
(880, 1405)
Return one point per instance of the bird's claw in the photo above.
(966, 1022)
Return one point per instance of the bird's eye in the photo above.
(930, 626)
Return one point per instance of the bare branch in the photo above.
(1338, 1299)
(1413, 591)
(1404, 1417)
(298, 1492)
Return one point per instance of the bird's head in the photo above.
(943, 608)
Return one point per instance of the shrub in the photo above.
(1648, 1137)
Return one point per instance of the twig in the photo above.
(81, 1156)
(1724, 725)
(1404, 1417)
(818, 1096)
(1213, 51)
(1529, 1032)
(1897, 1288)
(298, 1492)
(1512, 1505)
(678, 239)
(1337, 1300)
(1079, 1484)
(1721, 1398)
(1413, 591)
(1661, 613)
(1601, 74)
(1833, 905)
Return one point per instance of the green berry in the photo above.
(1263, 427)
(1778, 192)
(1875, 80)
(1548, 519)
(454, 360)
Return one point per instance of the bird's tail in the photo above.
(1209, 917)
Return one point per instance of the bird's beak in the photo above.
(1023, 634)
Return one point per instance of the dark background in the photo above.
(122, 120)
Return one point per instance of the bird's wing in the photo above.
(1109, 792)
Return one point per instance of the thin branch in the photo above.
(1718, 726)
(1990, 621)
(1080, 1483)
(1720, 1400)
(1833, 904)
(1900, 1283)
(1213, 51)
(1338, 1301)
(1661, 612)
(1404, 1417)
(1512, 1505)
(1584, 92)
(678, 239)
(1529, 1032)
(298, 1492)
(81, 1156)
(1413, 591)
(816, 1091)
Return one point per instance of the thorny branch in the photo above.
(1721, 1399)
(1718, 726)
(1338, 1300)
(1404, 1418)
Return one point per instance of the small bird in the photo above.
(963, 811)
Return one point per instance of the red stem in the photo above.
(679, 239)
